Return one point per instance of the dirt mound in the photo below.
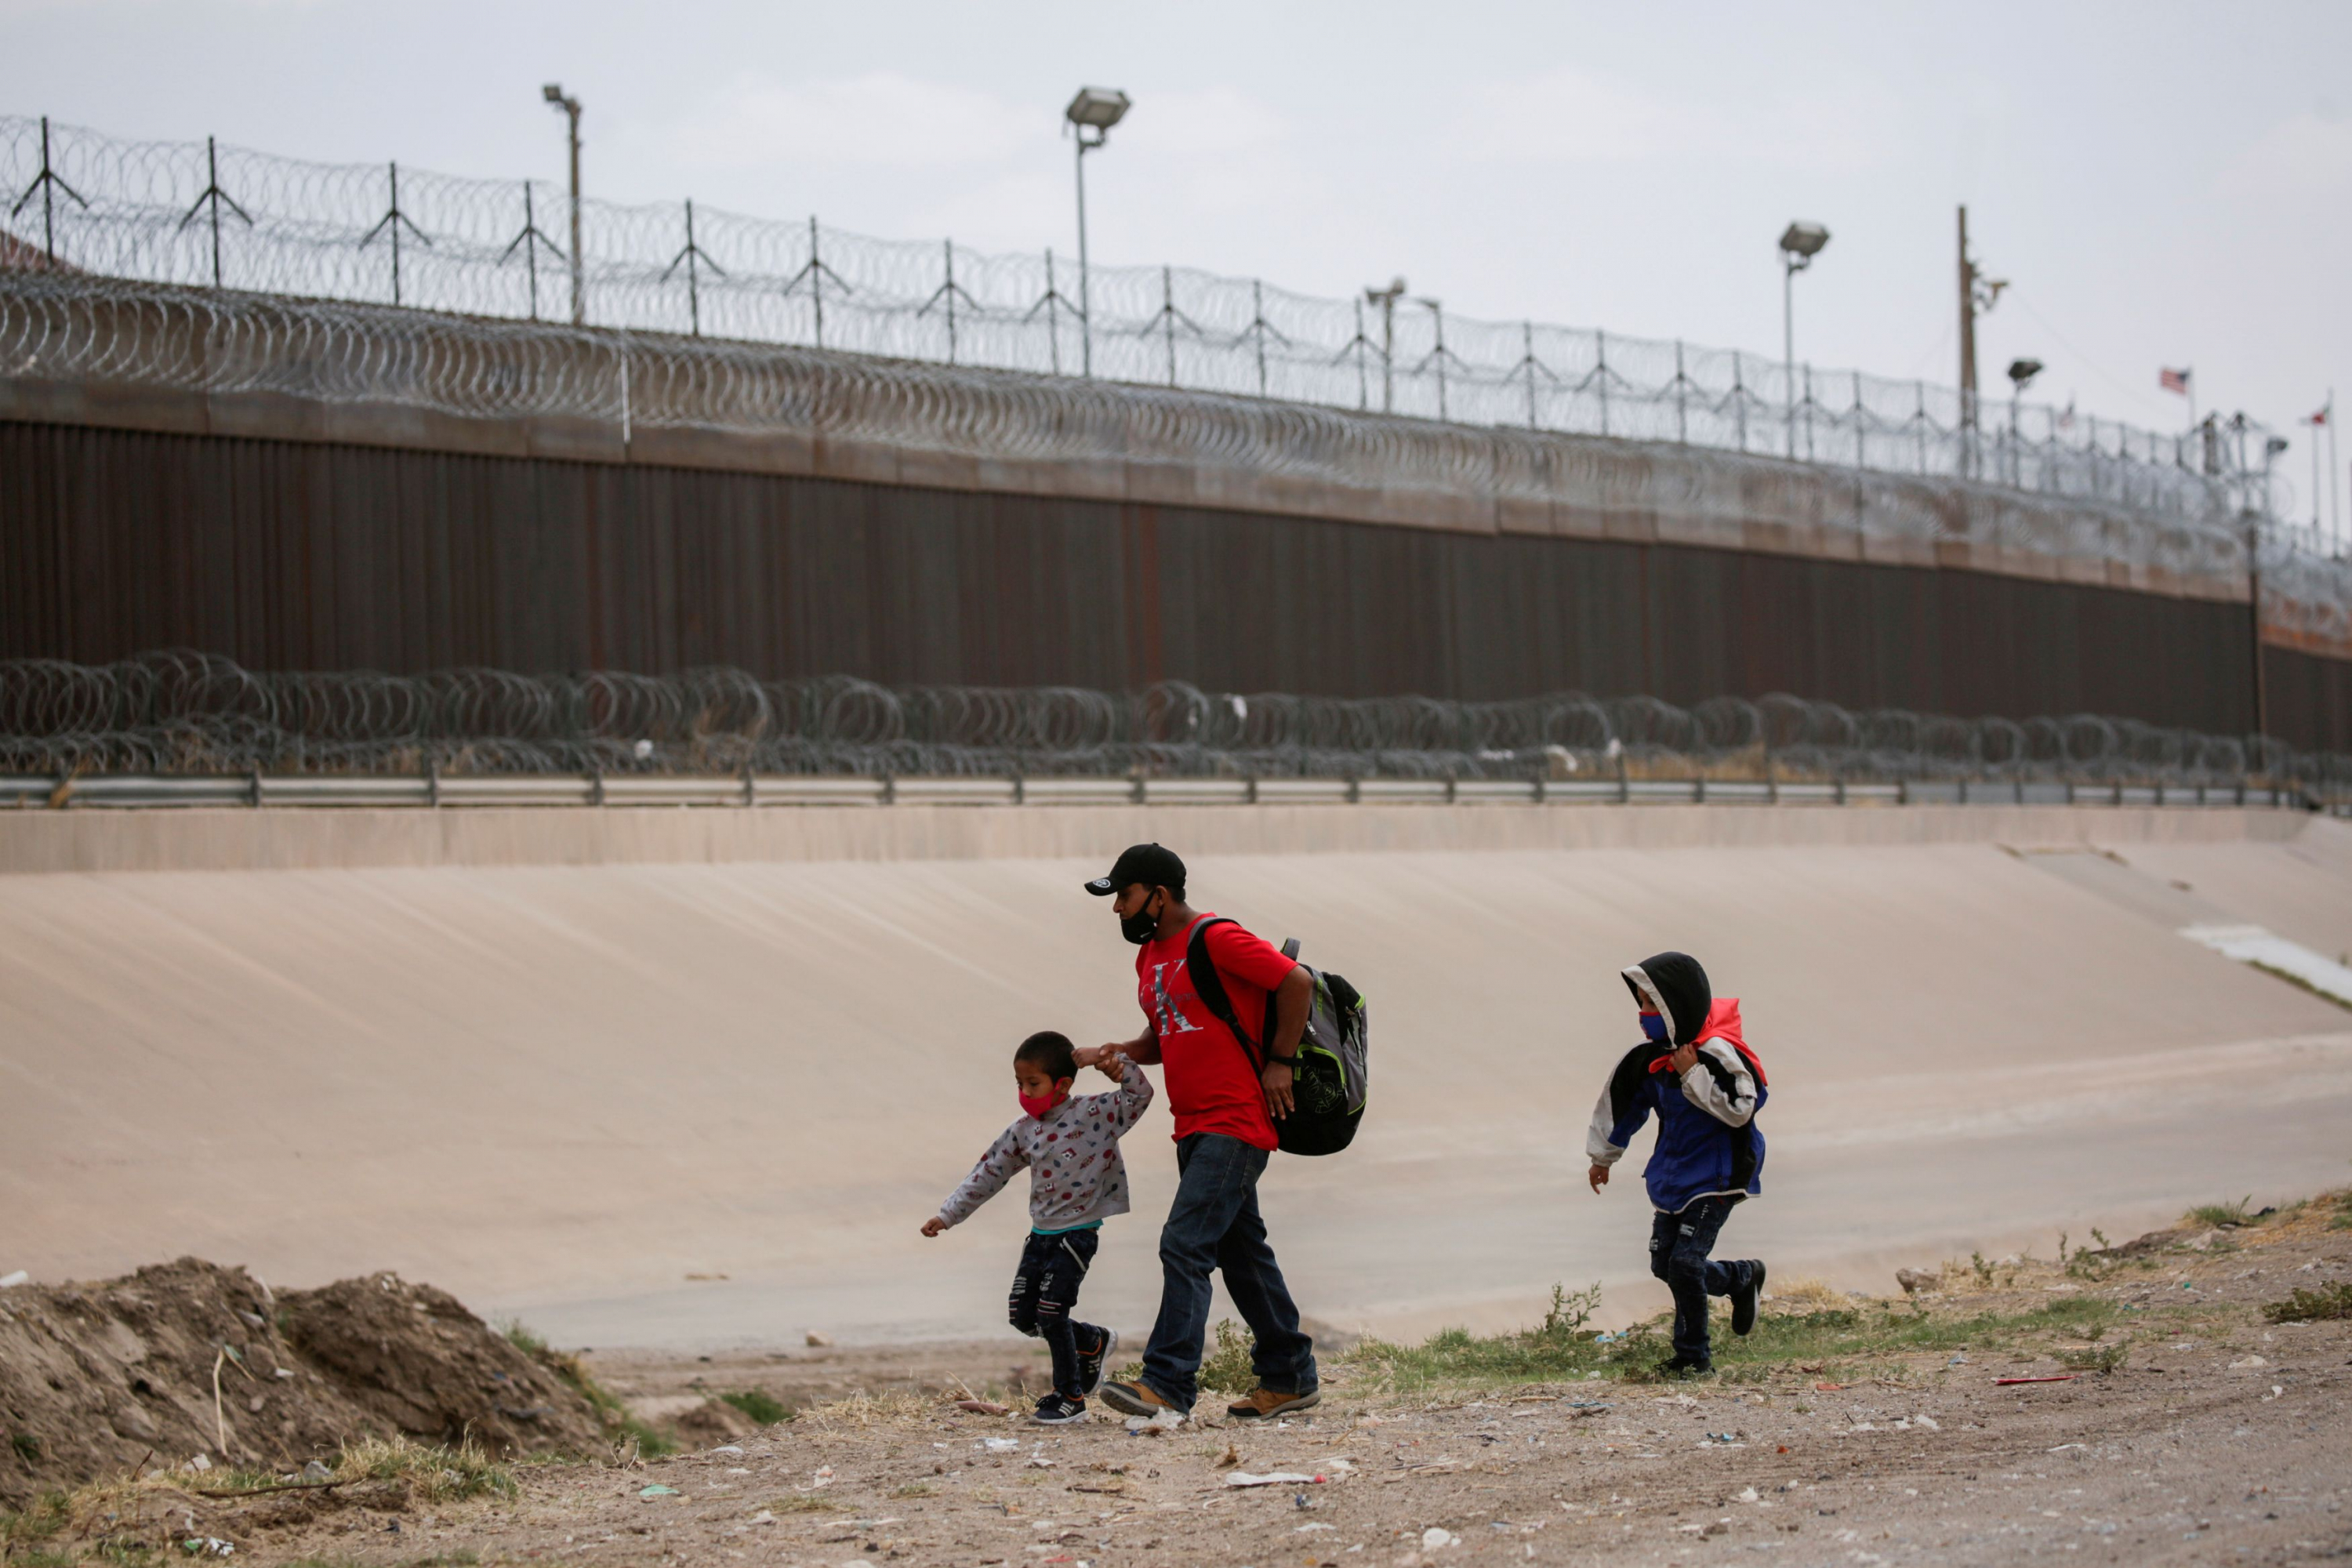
(188, 1358)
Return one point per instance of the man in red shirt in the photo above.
(1224, 1109)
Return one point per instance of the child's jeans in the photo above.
(1679, 1245)
(1051, 1268)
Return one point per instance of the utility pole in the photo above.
(1978, 294)
(553, 93)
(2335, 477)
(1095, 108)
(1386, 299)
(1967, 329)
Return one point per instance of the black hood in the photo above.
(1676, 986)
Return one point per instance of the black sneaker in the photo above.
(1090, 1363)
(1743, 1300)
(1056, 1411)
(1681, 1371)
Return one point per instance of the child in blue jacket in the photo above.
(1697, 1073)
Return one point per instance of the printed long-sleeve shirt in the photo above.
(1076, 1175)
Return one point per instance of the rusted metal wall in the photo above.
(286, 554)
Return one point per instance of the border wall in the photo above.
(795, 513)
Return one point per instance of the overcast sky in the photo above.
(2161, 182)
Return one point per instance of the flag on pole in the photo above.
(2172, 380)
(2318, 418)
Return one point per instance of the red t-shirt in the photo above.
(1212, 1085)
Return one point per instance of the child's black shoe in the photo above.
(1743, 1300)
(1090, 1363)
(1056, 1411)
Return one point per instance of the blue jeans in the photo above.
(1052, 1269)
(1679, 1245)
(1214, 1224)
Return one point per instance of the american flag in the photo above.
(2173, 381)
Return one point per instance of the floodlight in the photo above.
(553, 92)
(1804, 239)
(1098, 108)
(2023, 370)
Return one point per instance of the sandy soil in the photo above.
(706, 1107)
(2221, 1439)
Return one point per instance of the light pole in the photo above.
(1096, 109)
(1799, 243)
(1386, 299)
(553, 93)
(2021, 373)
(2270, 450)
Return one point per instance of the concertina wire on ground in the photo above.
(185, 712)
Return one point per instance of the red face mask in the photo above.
(1033, 1106)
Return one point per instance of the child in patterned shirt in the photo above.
(1077, 1180)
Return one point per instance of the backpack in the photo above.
(1331, 1080)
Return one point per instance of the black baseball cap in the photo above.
(1149, 864)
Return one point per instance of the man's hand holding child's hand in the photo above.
(933, 1226)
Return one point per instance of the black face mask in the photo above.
(1141, 926)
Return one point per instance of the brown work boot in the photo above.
(1135, 1398)
(1264, 1404)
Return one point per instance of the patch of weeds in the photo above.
(2326, 1303)
(760, 1405)
(619, 1424)
(2091, 1262)
(1982, 1270)
(433, 1474)
(524, 1339)
(913, 1488)
(803, 1505)
(2099, 1359)
(44, 1519)
(1558, 1349)
(1227, 1369)
(651, 1444)
(2224, 1217)
(27, 1445)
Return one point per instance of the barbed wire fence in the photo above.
(183, 712)
(225, 217)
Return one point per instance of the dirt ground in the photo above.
(189, 1359)
(2218, 1438)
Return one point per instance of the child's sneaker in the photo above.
(1056, 1411)
(1677, 1370)
(1743, 1300)
(1090, 1363)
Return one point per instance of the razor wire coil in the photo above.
(177, 711)
(217, 269)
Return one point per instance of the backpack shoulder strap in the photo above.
(1210, 986)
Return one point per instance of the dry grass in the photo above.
(1807, 1293)
(433, 1474)
(870, 1410)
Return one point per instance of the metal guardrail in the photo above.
(143, 790)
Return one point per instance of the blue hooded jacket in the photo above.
(1708, 1144)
